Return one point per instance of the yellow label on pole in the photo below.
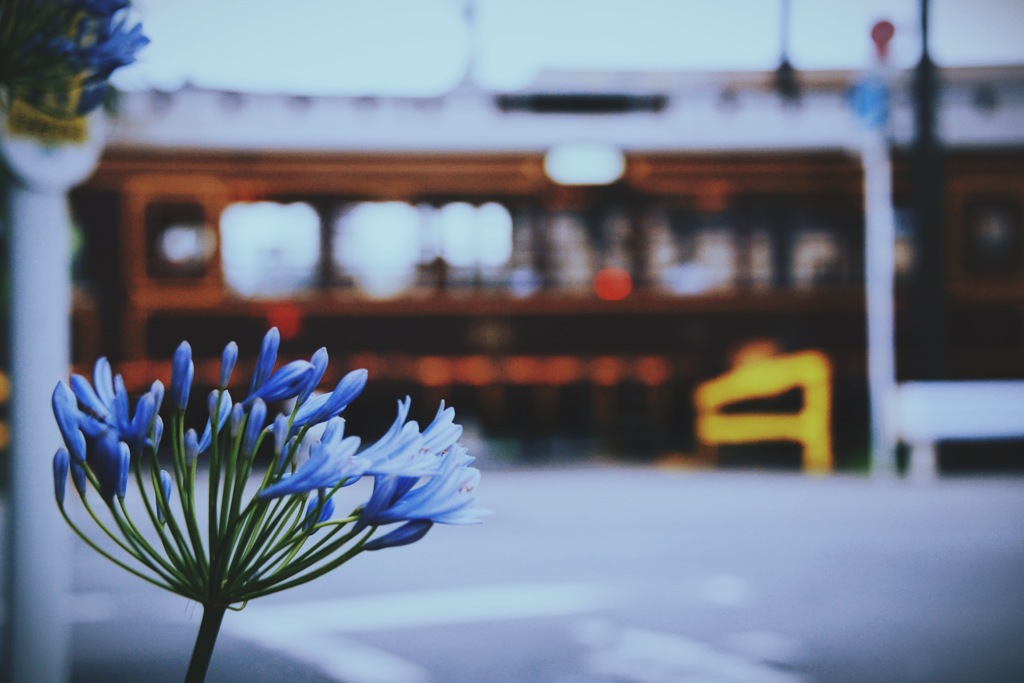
(26, 120)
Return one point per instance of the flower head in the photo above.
(250, 539)
(67, 48)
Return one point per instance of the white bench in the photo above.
(929, 412)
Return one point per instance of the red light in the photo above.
(612, 284)
(287, 318)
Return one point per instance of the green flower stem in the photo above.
(213, 615)
(256, 522)
(253, 559)
(321, 550)
(229, 481)
(144, 494)
(213, 531)
(278, 556)
(271, 531)
(133, 550)
(191, 520)
(113, 559)
(184, 477)
(299, 534)
(257, 590)
(128, 532)
(241, 478)
(240, 484)
(140, 542)
(183, 558)
(256, 511)
(130, 549)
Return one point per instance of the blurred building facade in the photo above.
(424, 239)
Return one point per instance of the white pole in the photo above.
(38, 633)
(871, 104)
(879, 267)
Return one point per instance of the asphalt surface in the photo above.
(609, 574)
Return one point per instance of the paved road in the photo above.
(616, 574)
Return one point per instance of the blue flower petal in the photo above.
(104, 458)
(223, 398)
(288, 382)
(88, 397)
(78, 478)
(158, 433)
(409, 532)
(325, 468)
(157, 390)
(191, 446)
(182, 371)
(325, 406)
(319, 363)
(103, 380)
(65, 410)
(266, 360)
(165, 491)
(142, 423)
(124, 465)
(254, 427)
(122, 416)
(227, 363)
(61, 465)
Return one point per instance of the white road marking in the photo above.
(415, 609)
(636, 655)
(309, 631)
(343, 659)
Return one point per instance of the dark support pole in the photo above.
(930, 321)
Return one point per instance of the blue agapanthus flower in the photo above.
(244, 536)
(60, 54)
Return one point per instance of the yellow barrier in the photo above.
(763, 377)
(5, 393)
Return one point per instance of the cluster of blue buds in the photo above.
(64, 47)
(247, 538)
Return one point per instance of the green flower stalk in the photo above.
(252, 534)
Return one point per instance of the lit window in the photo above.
(475, 237)
(270, 249)
(495, 235)
(377, 244)
(459, 234)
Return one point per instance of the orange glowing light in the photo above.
(612, 284)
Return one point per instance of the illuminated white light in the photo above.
(269, 249)
(186, 244)
(459, 234)
(378, 243)
(584, 164)
(495, 241)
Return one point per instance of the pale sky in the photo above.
(427, 47)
